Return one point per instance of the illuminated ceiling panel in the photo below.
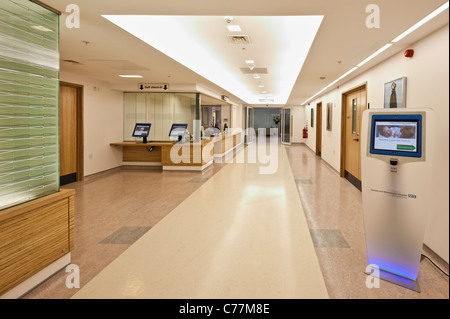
(278, 44)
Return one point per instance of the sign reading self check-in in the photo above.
(153, 87)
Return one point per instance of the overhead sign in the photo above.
(153, 87)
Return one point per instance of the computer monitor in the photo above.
(142, 130)
(178, 130)
(396, 135)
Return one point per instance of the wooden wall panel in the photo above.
(141, 154)
(34, 235)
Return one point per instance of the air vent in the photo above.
(239, 39)
(266, 100)
(254, 71)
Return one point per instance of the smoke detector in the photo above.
(229, 19)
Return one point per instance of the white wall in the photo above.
(236, 116)
(427, 76)
(226, 114)
(103, 121)
(331, 140)
(298, 124)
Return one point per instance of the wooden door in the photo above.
(68, 134)
(355, 103)
(319, 129)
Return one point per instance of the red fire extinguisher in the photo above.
(305, 132)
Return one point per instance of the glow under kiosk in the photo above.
(396, 170)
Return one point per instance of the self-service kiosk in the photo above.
(396, 170)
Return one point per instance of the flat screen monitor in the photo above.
(396, 135)
(142, 130)
(178, 130)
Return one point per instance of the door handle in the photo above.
(356, 139)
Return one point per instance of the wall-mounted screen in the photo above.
(178, 130)
(396, 135)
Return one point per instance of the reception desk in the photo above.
(179, 156)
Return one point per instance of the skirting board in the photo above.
(24, 287)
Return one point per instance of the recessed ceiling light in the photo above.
(347, 73)
(256, 76)
(249, 61)
(442, 8)
(375, 54)
(130, 76)
(261, 86)
(234, 28)
(41, 28)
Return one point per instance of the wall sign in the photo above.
(153, 87)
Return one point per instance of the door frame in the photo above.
(291, 121)
(362, 86)
(249, 122)
(319, 129)
(80, 127)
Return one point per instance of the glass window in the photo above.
(354, 108)
(159, 109)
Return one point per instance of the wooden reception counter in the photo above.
(179, 156)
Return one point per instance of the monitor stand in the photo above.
(180, 138)
(144, 140)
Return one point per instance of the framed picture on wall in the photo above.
(395, 94)
(329, 115)
(312, 117)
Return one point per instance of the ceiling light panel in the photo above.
(131, 76)
(422, 22)
(200, 44)
(387, 46)
(234, 28)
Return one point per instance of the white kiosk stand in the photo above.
(396, 169)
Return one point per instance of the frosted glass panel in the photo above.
(29, 102)
(160, 109)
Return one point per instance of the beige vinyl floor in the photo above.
(226, 232)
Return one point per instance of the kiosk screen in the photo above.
(398, 135)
